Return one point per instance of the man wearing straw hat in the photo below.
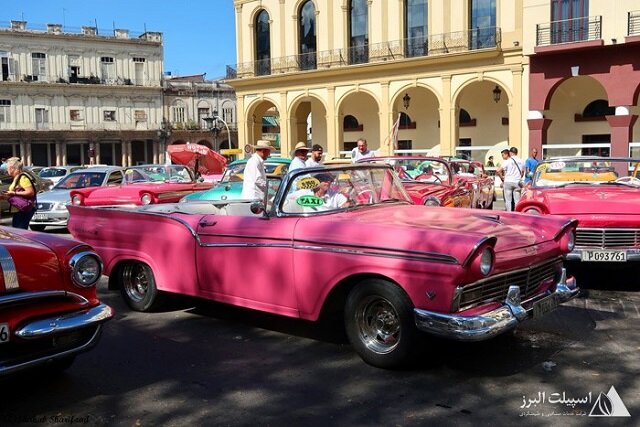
(300, 152)
(255, 179)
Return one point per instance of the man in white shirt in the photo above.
(254, 183)
(361, 151)
(511, 173)
(316, 156)
(300, 152)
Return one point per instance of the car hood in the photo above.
(228, 190)
(54, 196)
(601, 199)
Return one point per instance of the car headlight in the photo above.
(432, 202)
(146, 199)
(77, 200)
(532, 211)
(60, 207)
(486, 261)
(86, 269)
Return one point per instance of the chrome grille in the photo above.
(44, 206)
(495, 288)
(608, 237)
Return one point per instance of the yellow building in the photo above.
(333, 71)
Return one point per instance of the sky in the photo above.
(198, 35)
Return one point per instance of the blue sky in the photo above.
(199, 35)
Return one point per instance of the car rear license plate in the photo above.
(545, 305)
(604, 256)
(40, 217)
(4, 332)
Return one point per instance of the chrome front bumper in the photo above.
(495, 322)
(576, 254)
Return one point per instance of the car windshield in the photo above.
(412, 169)
(52, 172)
(467, 169)
(235, 173)
(157, 173)
(341, 189)
(80, 180)
(592, 171)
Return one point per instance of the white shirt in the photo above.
(312, 163)
(255, 179)
(297, 163)
(513, 168)
(357, 155)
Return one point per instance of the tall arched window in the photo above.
(416, 30)
(263, 44)
(307, 34)
(482, 24)
(358, 32)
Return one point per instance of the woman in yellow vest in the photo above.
(21, 194)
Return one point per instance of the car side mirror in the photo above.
(256, 208)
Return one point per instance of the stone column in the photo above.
(621, 131)
(538, 126)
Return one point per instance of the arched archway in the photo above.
(308, 122)
(421, 135)
(365, 109)
(264, 123)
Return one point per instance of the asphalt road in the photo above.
(201, 363)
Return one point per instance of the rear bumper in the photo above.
(495, 322)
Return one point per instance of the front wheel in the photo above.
(380, 324)
(138, 287)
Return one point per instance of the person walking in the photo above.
(21, 194)
(254, 185)
(299, 159)
(316, 156)
(510, 173)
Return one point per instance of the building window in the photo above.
(107, 68)
(5, 107)
(482, 30)
(109, 115)
(598, 108)
(75, 115)
(202, 113)
(178, 111)
(358, 32)
(140, 115)
(138, 69)
(570, 20)
(227, 115)
(307, 34)
(263, 44)
(38, 66)
(416, 30)
(6, 67)
(42, 118)
(350, 124)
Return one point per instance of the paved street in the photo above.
(201, 363)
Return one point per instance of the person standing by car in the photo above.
(300, 152)
(254, 183)
(316, 156)
(530, 166)
(510, 173)
(361, 151)
(21, 194)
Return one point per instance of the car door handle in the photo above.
(206, 223)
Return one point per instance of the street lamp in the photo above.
(212, 125)
(496, 93)
(406, 99)
(163, 134)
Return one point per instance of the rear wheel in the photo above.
(380, 324)
(138, 287)
(37, 227)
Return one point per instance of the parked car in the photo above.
(56, 173)
(230, 186)
(49, 311)
(345, 239)
(429, 181)
(143, 185)
(481, 183)
(601, 193)
(52, 205)
(42, 184)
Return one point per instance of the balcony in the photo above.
(569, 31)
(397, 50)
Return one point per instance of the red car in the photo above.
(49, 311)
(429, 181)
(143, 185)
(601, 193)
(474, 175)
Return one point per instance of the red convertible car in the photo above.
(483, 185)
(143, 185)
(429, 181)
(601, 193)
(49, 311)
(341, 239)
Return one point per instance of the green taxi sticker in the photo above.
(308, 183)
(310, 201)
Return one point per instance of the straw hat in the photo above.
(263, 144)
(301, 146)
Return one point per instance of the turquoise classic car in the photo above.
(230, 186)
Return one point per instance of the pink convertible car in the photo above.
(348, 239)
(602, 194)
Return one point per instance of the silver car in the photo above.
(56, 173)
(52, 204)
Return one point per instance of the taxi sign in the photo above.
(231, 151)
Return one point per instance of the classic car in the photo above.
(51, 208)
(49, 311)
(341, 239)
(601, 193)
(56, 173)
(42, 184)
(429, 181)
(482, 184)
(230, 186)
(143, 185)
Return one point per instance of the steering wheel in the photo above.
(629, 180)
(365, 197)
(424, 177)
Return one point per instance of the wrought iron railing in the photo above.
(633, 23)
(569, 31)
(436, 44)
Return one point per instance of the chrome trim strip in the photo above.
(564, 228)
(246, 245)
(426, 257)
(18, 298)
(68, 322)
(477, 246)
(8, 270)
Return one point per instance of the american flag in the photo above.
(393, 136)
